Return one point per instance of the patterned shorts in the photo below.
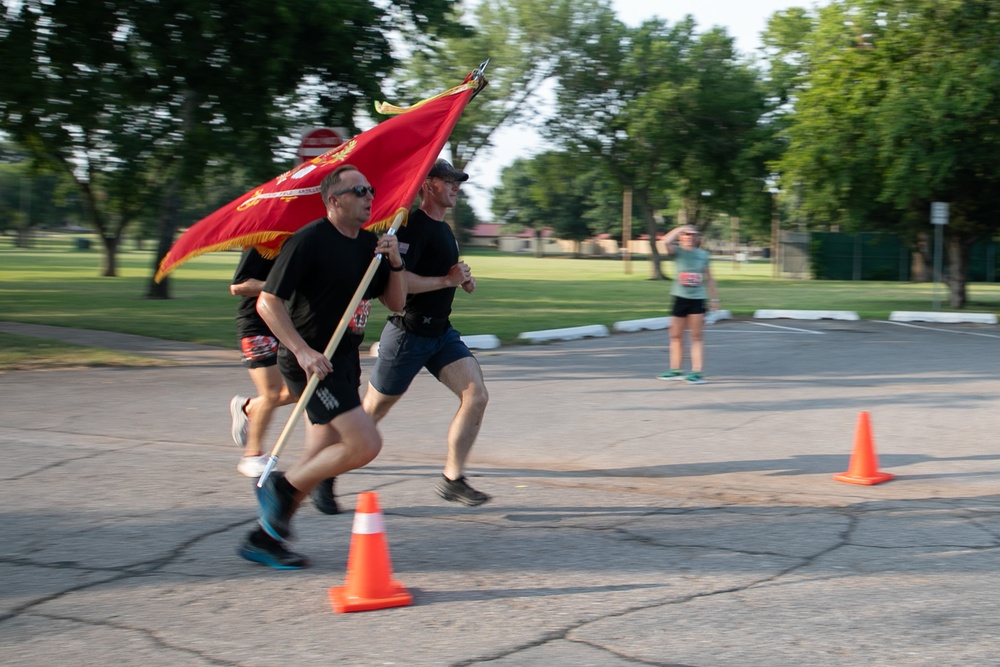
(259, 351)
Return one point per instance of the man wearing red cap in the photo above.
(422, 336)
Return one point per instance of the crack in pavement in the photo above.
(846, 536)
(134, 570)
(151, 635)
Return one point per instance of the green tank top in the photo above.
(690, 267)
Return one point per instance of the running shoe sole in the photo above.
(240, 421)
(271, 560)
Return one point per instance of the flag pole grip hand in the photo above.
(338, 335)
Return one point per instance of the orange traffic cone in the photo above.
(863, 468)
(369, 583)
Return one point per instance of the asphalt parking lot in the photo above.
(635, 521)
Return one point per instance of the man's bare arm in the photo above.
(456, 276)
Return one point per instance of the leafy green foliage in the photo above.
(670, 113)
(572, 195)
(138, 99)
(898, 108)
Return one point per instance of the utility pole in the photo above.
(775, 237)
(627, 229)
(734, 228)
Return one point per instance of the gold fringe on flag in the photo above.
(393, 110)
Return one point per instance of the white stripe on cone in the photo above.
(368, 524)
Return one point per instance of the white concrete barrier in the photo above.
(481, 342)
(649, 324)
(570, 333)
(715, 315)
(948, 318)
(658, 323)
(806, 315)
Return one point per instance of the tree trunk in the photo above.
(171, 205)
(23, 238)
(921, 260)
(98, 220)
(167, 226)
(110, 259)
(646, 211)
(958, 271)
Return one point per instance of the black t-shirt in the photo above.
(251, 266)
(429, 248)
(317, 273)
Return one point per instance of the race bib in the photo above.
(360, 319)
(689, 278)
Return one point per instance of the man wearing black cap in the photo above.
(422, 336)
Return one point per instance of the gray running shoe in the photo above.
(324, 498)
(459, 491)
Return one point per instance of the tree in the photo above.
(30, 200)
(574, 197)
(664, 109)
(135, 99)
(524, 41)
(900, 109)
(510, 204)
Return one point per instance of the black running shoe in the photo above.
(263, 549)
(324, 498)
(274, 511)
(459, 491)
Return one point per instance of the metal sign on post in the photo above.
(939, 213)
(319, 140)
(939, 218)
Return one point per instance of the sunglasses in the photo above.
(358, 190)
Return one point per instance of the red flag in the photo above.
(395, 156)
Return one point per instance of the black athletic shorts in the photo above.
(684, 307)
(336, 394)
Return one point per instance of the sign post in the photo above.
(318, 140)
(939, 218)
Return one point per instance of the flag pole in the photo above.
(338, 335)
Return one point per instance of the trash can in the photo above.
(83, 244)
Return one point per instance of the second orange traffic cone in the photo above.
(369, 583)
(863, 468)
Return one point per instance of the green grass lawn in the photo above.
(23, 353)
(53, 283)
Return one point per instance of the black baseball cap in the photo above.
(443, 169)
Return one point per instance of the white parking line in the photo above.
(938, 329)
(796, 329)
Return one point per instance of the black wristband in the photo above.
(402, 265)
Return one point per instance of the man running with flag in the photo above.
(422, 337)
(308, 291)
